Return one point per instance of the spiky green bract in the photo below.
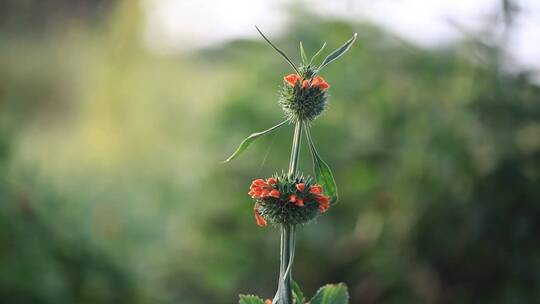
(307, 71)
(302, 103)
(281, 210)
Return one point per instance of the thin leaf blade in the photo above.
(331, 294)
(252, 137)
(317, 54)
(338, 53)
(323, 174)
(279, 51)
(303, 54)
(250, 299)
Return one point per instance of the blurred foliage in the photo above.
(111, 189)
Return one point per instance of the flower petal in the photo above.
(292, 79)
(316, 189)
(274, 193)
(258, 217)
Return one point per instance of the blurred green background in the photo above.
(111, 189)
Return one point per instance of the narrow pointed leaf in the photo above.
(250, 299)
(338, 53)
(331, 294)
(279, 51)
(317, 54)
(303, 54)
(297, 292)
(246, 142)
(323, 174)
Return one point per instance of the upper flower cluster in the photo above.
(303, 99)
(315, 82)
(287, 200)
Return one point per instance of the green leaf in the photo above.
(250, 299)
(246, 142)
(317, 54)
(297, 292)
(303, 54)
(279, 51)
(338, 53)
(323, 174)
(331, 294)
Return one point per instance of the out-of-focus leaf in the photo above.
(303, 54)
(322, 171)
(331, 294)
(279, 51)
(317, 54)
(250, 299)
(338, 53)
(246, 142)
(297, 292)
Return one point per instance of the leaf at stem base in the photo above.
(250, 299)
(331, 294)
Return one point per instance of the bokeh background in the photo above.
(114, 116)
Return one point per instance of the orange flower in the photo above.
(268, 301)
(259, 189)
(272, 181)
(324, 202)
(319, 82)
(300, 187)
(305, 84)
(315, 189)
(292, 199)
(296, 200)
(258, 182)
(274, 193)
(258, 217)
(292, 79)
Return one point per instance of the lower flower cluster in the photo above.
(287, 200)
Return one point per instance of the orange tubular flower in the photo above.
(300, 187)
(315, 189)
(305, 84)
(272, 181)
(324, 202)
(320, 83)
(292, 79)
(259, 189)
(274, 193)
(292, 199)
(258, 217)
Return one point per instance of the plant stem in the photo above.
(288, 232)
(295, 153)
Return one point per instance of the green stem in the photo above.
(288, 232)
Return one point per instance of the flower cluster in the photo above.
(287, 200)
(303, 98)
(315, 82)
